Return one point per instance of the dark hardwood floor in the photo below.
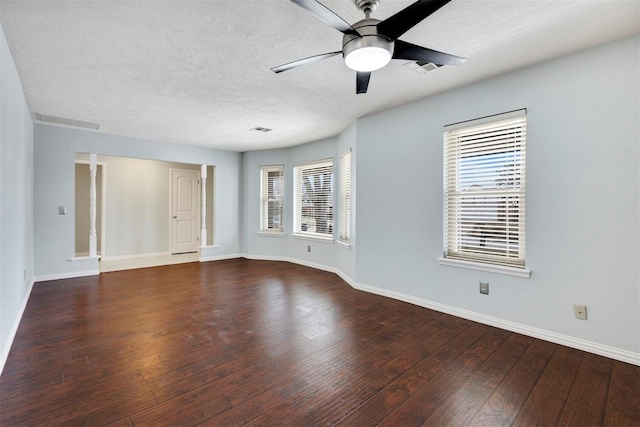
(258, 343)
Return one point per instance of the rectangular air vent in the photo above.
(261, 129)
(65, 121)
(420, 67)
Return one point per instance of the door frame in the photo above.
(198, 207)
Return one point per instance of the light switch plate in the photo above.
(62, 210)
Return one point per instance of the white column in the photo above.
(203, 204)
(93, 237)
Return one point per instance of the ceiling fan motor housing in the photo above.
(368, 38)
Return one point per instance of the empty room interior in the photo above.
(334, 212)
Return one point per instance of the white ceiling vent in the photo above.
(420, 67)
(65, 121)
(261, 129)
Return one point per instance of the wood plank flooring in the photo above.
(262, 343)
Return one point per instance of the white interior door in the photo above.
(185, 212)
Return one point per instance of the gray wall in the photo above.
(327, 254)
(583, 216)
(16, 199)
(54, 157)
(582, 197)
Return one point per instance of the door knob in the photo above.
(175, 217)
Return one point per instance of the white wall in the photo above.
(54, 156)
(16, 200)
(582, 197)
(325, 254)
(137, 205)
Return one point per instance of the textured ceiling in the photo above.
(198, 72)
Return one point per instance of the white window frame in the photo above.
(344, 234)
(267, 200)
(491, 236)
(299, 171)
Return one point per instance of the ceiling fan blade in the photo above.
(326, 15)
(362, 81)
(404, 50)
(305, 61)
(398, 24)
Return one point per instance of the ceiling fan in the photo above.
(370, 44)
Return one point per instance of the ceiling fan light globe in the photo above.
(369, 58)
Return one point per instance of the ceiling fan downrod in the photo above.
(370, 44)
(367, 6)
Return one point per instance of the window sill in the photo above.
(499, 269)
(272, 233)
(328, 239)
(344, 244)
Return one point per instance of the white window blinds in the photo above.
(313, 199)
(345, 197)
(272, 198)
(484, 190)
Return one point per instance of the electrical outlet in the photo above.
(484, 288)
(308, 248)
(580, 311)
(62, 210)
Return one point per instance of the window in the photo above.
(271, 198)
(484, 190)
(345, 197)
(313, 199)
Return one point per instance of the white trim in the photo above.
(344, 244)
(272, 233)
(135, 256)
(219, 257)
(103, 209)
(313, 237)
(203, 205)
(487, 119)
(334, 270)
(69, 275)
(14, 328)
(83, 258)
(491, 268)
(299, 172)
(103, 202)
(208, 246)
(566, 340)
(319, 162)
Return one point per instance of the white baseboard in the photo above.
(566, 340)
(134, 256)
(219, 257)
(14, 328)
(70, 275)
(343, 276)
